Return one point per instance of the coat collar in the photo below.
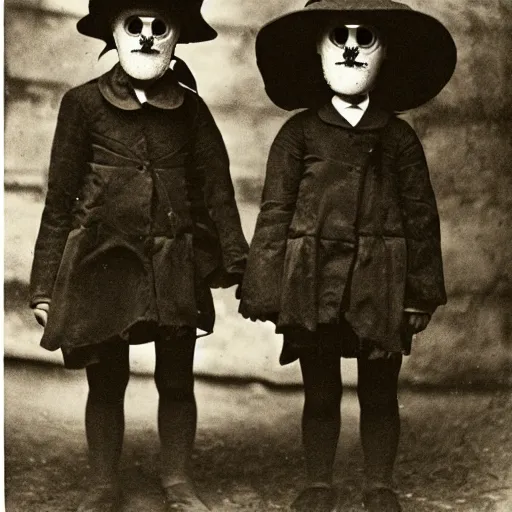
(116, 88)
(373, 119)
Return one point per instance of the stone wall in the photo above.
(466, 134)
(465, 131)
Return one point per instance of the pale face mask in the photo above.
(145, 41)
(351, 58)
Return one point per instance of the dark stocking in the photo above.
(380, 421)
(321, 418)
(177, 411)
(104, 414)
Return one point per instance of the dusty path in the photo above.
(456, 449)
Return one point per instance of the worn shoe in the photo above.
(316, 499)
(381, 500)
(182, 497)
(102, 498)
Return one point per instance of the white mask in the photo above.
(351, 58)
(145, 41)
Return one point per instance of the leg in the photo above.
(104, 414)
(177, 411)
(321, 419)
(177, 417)
(321, 422)
(104, 424)
(380, 427)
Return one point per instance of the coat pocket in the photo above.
(66, 298)
(377, 290)
(92, 196)
(299, 302)
(95, 185)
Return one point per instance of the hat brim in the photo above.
(420, 58)
(194, 30)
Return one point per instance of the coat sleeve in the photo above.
(212, 167)
(69, 155)
(261, 288)
(424, 289)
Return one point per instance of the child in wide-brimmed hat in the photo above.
(140, 222)
(346, 255)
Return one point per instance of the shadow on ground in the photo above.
(456, 448)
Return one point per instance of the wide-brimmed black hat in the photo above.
(194, 28)
(420, 57)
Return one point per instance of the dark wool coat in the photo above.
(140, 215)
(348, 227)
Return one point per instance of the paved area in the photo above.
(455, 454)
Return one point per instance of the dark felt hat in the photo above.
(420, 58)
(194, 28)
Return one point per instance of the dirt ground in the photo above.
(455, 453)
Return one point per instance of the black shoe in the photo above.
(381, 500)
(316, 499)
(101, 498)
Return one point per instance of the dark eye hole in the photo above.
(339, 36)
(134, 26)
(365, 36)
(158, 27)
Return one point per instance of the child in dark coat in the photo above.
(346, 255)
(140, 221)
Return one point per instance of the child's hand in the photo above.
(41, 313)
(416, 322)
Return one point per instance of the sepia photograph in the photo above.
(257, 256)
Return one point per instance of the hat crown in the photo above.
(96, 24)
(360, 5)
(101, 6)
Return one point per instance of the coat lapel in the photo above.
(116, 88)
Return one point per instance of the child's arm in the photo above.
(212, 164)
(261, 288)
(425, 281)
(69, 155)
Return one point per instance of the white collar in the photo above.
(141, 95)
(345, 109)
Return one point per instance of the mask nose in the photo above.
(147, 31)
(146, 42)
(350, 55)
(146, 36)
